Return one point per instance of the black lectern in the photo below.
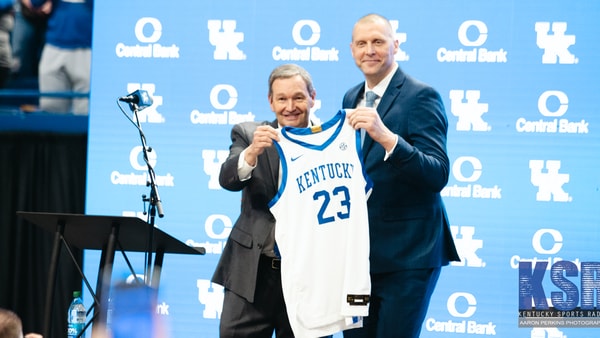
(104, 233)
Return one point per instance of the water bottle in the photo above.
(76, 316)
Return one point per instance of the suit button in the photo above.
(259, 245)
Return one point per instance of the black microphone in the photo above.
(139, 97)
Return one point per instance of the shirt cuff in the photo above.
(244, 169)
(388, 153)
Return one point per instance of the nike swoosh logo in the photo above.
(295, 158)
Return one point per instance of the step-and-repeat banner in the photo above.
(519, 81)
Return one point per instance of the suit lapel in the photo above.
(385, 105)
(391, 93)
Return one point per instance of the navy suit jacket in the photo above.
(238, 266)
(409, 227)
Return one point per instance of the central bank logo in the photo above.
(545, 175)
(224, 99)
(306, 34)
(469, 112)
(461, 306)
(140, 165)
(556, 44)
(552, 105)
(467, 170)
(148, 32)
(217, 228)
(222, 35)
(472, 34)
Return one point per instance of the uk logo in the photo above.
(545, 175)
(546, 332)
(212, 165)
(555, 45)
(467, 246)
(401, 37)
(222, 35)
(469, 112)
(150, 114)
(211, 296)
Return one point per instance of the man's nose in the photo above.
(370, 48)
(290, 104)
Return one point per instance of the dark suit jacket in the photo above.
(238, 265)
(408, 224)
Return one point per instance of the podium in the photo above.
(105, 233)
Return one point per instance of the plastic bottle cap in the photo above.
(76, 294)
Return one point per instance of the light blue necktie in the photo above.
(370, 99)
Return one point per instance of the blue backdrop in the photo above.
(519, 83)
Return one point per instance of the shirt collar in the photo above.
(380, 88)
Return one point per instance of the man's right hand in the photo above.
(263, 138)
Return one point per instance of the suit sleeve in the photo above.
(228, 176)
(421, 150)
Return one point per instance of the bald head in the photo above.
(377, 19)
(373, 47)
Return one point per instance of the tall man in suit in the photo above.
(405, 156)
(249, 266)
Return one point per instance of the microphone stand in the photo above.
(154, 203)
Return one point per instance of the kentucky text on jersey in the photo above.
(324, 172)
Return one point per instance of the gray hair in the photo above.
(290, 70)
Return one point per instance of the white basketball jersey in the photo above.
(322, 230)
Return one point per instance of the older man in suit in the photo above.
(405, 156)
(249, 266)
